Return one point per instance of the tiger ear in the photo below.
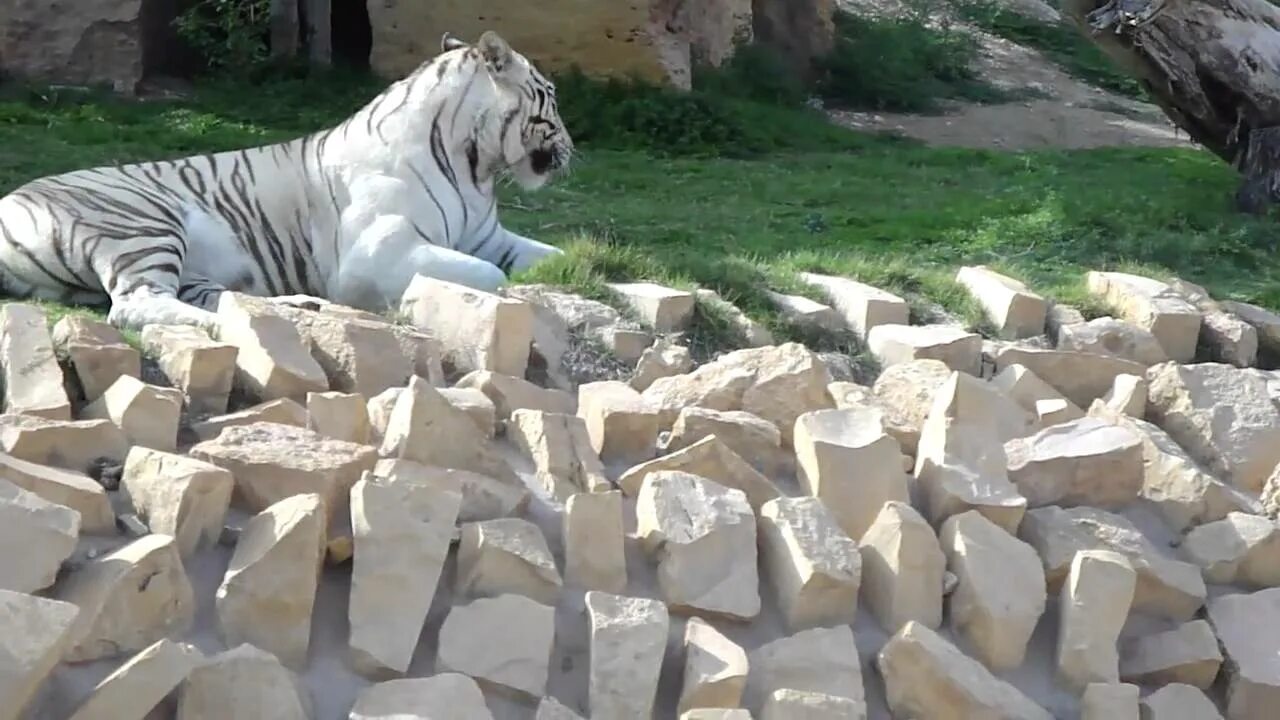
(496, 52)
(449, 42)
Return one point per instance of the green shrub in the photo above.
(231, 35)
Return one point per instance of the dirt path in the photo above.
(1067, 114)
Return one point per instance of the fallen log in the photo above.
(1213, 66)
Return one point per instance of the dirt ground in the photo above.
(1067, 113)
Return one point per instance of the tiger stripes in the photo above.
(404, 186)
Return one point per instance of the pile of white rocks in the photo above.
(324, 515)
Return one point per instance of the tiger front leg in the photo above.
(386, 256)
(517, 252)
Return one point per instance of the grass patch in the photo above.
(1061, 42)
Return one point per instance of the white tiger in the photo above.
(349, 214)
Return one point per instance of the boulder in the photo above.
(1177, 701)
(1186, 654)
(340, 416)
(1228, 339)
(96, 352)
(822, 660)
(243, 682)
(1248, 630)
(1241, 549)
(905, 393)
(1117, 338)
(1036, 396)
(504, 642)
(862, 306)
(74, 490)
(129, 599)
(142, 683)
(1222, 415)
(426, 428)
(272, 360)
(477, 330)
(362, 353)
(959, 349)
(1127, 396)
(627, 643)
(788, 704)
(497, 557)
(560, 446)
(268, 593)
(75, 445)
(623, 428)
(552, 709)
(1094, 604)
(483, 498)
(711, 459)
(751, 437)
(282, 411)
(1081, 377)
(35, 632)
(662, 359)
(446, 695)
(813, 567)
(1109, 701)
(401, 530)
(662, 308)
(32, 378)
(1152, 305)
(1015, 310)
(1083, 462)
(926, 676)
(40, 536)
(1265, 322)
(902, 568)
(177, 495)
(715, 668)
(476, 405)
(999, 594)
(594, 535)
(806, 313)
(512, 393)
(702, 536)
(202, 368)
(147, 414)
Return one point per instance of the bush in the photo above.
(899, 64)
(231, 35)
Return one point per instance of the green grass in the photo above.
(701, 208)
(1062, 43)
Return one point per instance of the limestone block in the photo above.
(862, 306)
(177, 495)
(426, 428)
(243, 682)
(662, 359)
(1248, 630)
(477, 330)
(905, 393)
(271, 359)
(63, 487)
(1081, 377)
(504, 642)
(1186, 654)
(202, 368)
(594, 532)
(512, 393)
(34, 634)
(510, 555)
(1083, 462)
(751, 437)
(146, 414)
(622, 426)
(139, 685)
(1178, 702)
(1128, 396)
(662, 308)
(39, 536)
(282, 411)
(561, 449)
(74, 445)
(96, 352)
(1153, 305)
(1016, 311)
(483, 498)
(821, 660)
(628, 641)
(814, 567)
(446, 695)
(1109, 336)
(1093, 607)
(1241, 549)
(804, 312)
(894, 344)
(788, 704)
(711, 459)
(1035, 395)
(476, 405)
(1109, 701)
(902, 568)
(341, 416)
(715, 668)
(32, 378)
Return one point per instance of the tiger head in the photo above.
(523, 125)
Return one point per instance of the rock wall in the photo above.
(657, 40)
(66, 41)
(802, 30)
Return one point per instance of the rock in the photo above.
(1178, 702)
(1060, 316)
(282, 411)
(243, 682)
(895, 344)
(902, 567)
(803, 312)
(1081, 377)
(272, 462)
(926, 676)
(1151, 305)
(177, 495)
(128, 599)
(862, 307)
(510, 555)
(848, 395)
(96, 352)
(778, 383)
(146, 414)
(504, 642)
(628, 641)
(753, 334)
(426, 428)
(379, 409)
(1083, 462)
(511, 393)
(1109, 701)
(476, 405)
(814, 567)
(788, 704)
(1128, 396)
(703, 537)
(961, 462)
(715, 668)
(715, 714)
(1183, 493)
(821, 660)
(567, 333)
(661, 308)
(594, 532)
(272, 360)
(711, 459)
(1240, 549)
(1186, 654)
(626, 344)
(1248, 631)
(551, 709)
(621, 425)
(34, 634)
(560, 446)
(1094, 604)
(268, 593)
(139, 685)
(446, 695)
(62, 487)
(1166, 588)
(1222, 415)
(477, 330)
(483, 498)
(32, 378)
(999, 595)
(40, 536)
(830, 442)
(363, 354)
(1035, 396)
(402, 530)
(1229, 339)
(753, 438)
(74, 445)
(662, 359)
(1117, 338)
(341, 416)
(905, 392)
(1013, 308)
(1265, 322)
(202, 368)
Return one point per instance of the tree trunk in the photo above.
(1213, 66)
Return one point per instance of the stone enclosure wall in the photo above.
(119, 42)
